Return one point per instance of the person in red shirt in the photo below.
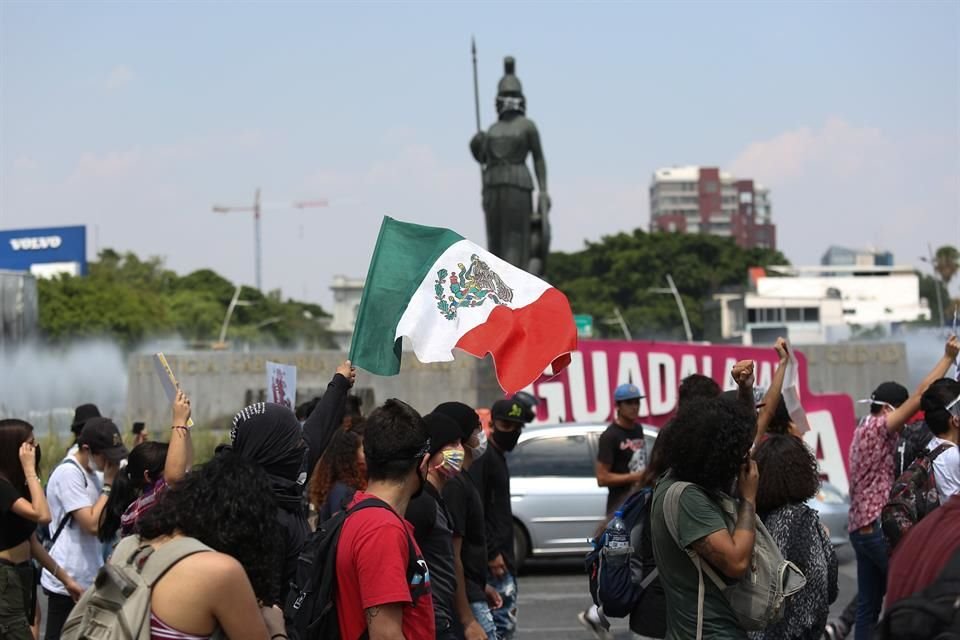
(375, 590)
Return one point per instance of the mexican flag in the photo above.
(443, 292)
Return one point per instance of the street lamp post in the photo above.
(672, 289)
(234, 302)
(256, 209)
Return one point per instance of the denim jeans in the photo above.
(506, 616)
(481, 611)
(872, 557)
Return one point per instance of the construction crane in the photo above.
(255, 209)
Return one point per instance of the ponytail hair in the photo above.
(130, 484)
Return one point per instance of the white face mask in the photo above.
(94, 466)
(481, 446)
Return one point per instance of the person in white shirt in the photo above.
(77, 499)
(941, 407)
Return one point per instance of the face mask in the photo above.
(94, 466)
(481, 446)
(506, 440)
(452, 462)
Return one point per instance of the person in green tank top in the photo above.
(709, 447)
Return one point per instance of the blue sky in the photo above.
(134, 118)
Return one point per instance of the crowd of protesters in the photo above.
(435, 559)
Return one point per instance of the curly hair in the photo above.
(697, 386)
(227, 505)
(709, 439)
(337, 464)
(788, 472)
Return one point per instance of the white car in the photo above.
(557, 505)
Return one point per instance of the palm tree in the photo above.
(946, 262)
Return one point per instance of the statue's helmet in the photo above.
(509, 90)
(509, 83)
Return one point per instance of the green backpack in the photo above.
(117, 606)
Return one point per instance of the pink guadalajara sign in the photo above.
(583, 392)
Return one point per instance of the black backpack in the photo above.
(617, 590)
(911, 445)
(311, 609)
(913, 496)
(931, 614)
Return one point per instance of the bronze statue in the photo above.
(516, 231)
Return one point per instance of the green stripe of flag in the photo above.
(401, 259)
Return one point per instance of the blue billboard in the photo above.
(46, 250)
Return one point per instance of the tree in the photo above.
(619, 271)
(131, 300)
(946, 262)
(928, 290)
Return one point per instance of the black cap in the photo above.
(443, 431)
(464, 415)
(103, 437)
(890, 392)
(81, 414)
(511, 411)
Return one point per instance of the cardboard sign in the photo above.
(282, 384)
(168, 380)
(583, 392)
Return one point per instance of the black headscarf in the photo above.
(270, 435)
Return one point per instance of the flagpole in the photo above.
(476, 87)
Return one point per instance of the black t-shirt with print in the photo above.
(434, 535)
(626, 452)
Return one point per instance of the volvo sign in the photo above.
(45, 252)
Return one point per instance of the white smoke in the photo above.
(43, 383)
(924, 349)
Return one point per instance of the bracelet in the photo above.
(279, 635)
(106, 490)
(34, 477)
(180, 426)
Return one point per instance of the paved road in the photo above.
(553, 592)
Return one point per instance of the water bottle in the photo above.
(616, 547)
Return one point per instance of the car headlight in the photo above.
(829, 494)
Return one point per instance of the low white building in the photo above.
(346, 304)
(817, 304)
